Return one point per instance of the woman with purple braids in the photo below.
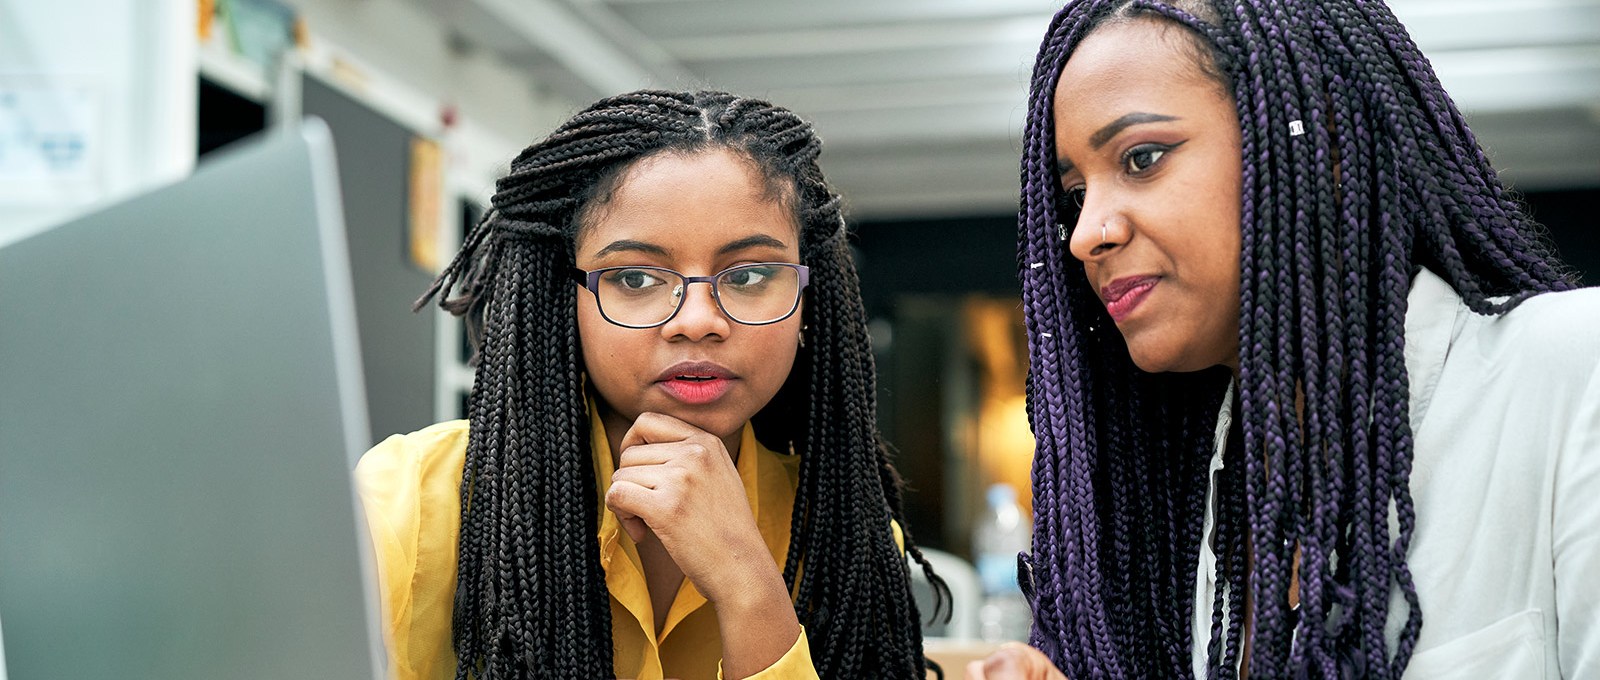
(1313, 397)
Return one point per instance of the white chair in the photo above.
(966, 595)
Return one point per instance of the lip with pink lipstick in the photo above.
(1123, 295)
(696, 382)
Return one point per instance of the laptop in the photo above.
(181, 405)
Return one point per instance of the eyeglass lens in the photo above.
(749, 294)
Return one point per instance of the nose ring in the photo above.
(1102, 233)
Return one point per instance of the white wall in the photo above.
(118, 76)
(122, 73)
(400, 58)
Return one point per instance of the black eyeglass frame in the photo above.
(591, 280)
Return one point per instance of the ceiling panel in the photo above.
(667, 19)
(921, 103)
(906, 66)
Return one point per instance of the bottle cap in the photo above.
(1001, 494)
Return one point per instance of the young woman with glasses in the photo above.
(670, 466)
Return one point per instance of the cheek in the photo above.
(1211, 233)
(596, 338)
(1227, 246)
(1090, 268)
(589, 325)
(781, 340)
(775, 348)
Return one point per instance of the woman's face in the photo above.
(696, 214)
(1149, 144)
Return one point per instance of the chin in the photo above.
(1165, 360)
(1150, 365)
(713, 421)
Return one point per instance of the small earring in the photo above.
(802, 335)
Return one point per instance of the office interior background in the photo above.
(920, 105)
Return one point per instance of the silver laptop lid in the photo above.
(180, 407)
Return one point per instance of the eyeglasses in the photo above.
(645, 297)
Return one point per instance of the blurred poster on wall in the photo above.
(427, 184)
(50, 140)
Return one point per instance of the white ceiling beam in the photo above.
(928, 126)
(1008, 63)
(935, 94)
(1436, 26)
(581, 48)
(1517, 79)
(1474, 24)
(941, 113)
(1521, 79)
(1023, 33)
(682, 18)
(623, 33)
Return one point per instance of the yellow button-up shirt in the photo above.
(410, 488)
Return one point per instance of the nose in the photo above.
(1099, 231)
(699, 318)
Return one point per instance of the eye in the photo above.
(1074, 196)
(1140, 158)
(748, 277)
(633, 279)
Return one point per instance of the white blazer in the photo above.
(1505, 411)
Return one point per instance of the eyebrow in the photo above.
(756, 241)
(632, 246)
(1104, 134)
(628, 245)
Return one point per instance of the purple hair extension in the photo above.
(1381, 179)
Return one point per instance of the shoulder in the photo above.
(409, 464)
(1554, 334)
(409, 486)
(438, 441)
(1565, 314)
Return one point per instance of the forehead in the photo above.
(1133, 64)
(713, 195)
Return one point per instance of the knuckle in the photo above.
(620, 494)
(675, 505)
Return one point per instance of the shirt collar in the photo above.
(1434, 316)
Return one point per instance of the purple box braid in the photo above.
(1385, 179)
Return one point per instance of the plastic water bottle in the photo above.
(1000, 533)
